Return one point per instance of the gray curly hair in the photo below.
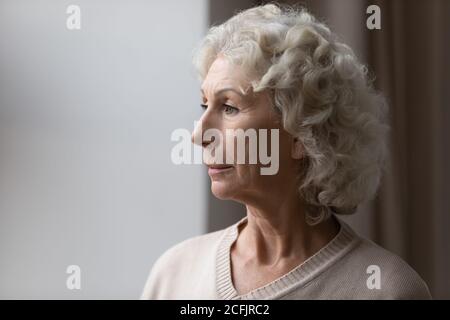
(323, 94)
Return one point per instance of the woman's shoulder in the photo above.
(197, 245)
(169, 272)
(388, 272)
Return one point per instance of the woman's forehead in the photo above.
(222, 70)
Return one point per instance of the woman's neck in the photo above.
(274, 235)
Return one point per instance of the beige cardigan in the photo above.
(348, 267)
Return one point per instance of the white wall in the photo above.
(85, 124)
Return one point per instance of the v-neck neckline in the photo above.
(345, 240)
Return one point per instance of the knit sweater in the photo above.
(348, 267)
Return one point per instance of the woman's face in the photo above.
(228, 107)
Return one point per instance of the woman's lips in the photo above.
(218, 169)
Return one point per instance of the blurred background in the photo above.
(86, 118)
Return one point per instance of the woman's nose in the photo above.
(197, 134)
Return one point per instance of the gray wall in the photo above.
(85, 124)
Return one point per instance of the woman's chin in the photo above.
(221, 190)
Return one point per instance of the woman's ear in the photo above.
(297, 150)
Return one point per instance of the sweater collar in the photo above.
(341, 244)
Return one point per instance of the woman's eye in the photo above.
(230, 109)
(227, 108)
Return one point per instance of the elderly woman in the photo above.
(271, 67)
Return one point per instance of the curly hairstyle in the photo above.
(324, 95)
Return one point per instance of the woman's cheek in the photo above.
(246, 174)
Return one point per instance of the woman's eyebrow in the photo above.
(226, 89)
